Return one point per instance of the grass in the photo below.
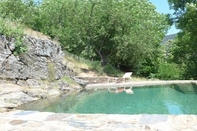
(35, 34)
(79, 64)
(51, 71)
(69, 81)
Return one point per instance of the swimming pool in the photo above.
(162, 99)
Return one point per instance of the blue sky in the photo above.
(163, 7)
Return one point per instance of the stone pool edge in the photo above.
(20, 120)
(136, 84)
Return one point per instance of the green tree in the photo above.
(126, 32)
(179, 5)
(20, 10)
(184, 48)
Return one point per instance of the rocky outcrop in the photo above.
(42, 61)
(38, 72)
(12, 95)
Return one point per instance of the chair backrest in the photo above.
(127, 75)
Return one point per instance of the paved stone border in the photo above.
(136, 84)
(19, 120)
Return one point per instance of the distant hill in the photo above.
(168, 37)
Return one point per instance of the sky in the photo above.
(163, 7)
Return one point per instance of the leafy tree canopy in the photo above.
(184, 48)
(125, 32)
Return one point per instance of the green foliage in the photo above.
(19, 46)
(124, 32)
(179, 5)
(104, 30)
(96, 66)
(23, 11)
(111, 71)
(51, 72)
(184, 48)
(169, 71)
(87, 65)
(148, 65)
(13, 30)
(68, 80)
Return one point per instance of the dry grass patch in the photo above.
(78, 64)
(35, 34)
(69, 81)
(134, 78)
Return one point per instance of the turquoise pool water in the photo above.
(164, 99)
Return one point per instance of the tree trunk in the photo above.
(103, 58)
(103, 61)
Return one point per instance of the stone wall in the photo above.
(42, 61)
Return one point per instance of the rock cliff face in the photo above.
(42, 61)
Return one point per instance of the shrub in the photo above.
(169, 71)
(13, 30)
(111, 71)
(51, 72)
(96, 66)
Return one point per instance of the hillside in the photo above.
(78, 65)
(42, 71)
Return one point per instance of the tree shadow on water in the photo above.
(187, 88)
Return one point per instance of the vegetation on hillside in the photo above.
(13, 30)
(122, 34)
(92, 68)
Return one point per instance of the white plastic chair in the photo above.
(127, 75)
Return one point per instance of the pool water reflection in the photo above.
(163, 99)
